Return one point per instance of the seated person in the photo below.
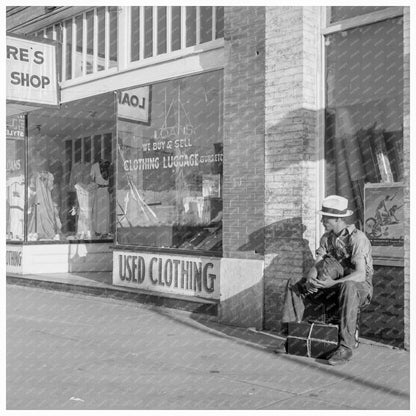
(341, 247)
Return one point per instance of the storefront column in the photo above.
(291, 120)
(406, 165)
(241, 300)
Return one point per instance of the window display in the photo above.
(69, 171)
(364, 110)
(169, 179)
(15, 177)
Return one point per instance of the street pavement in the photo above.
(73, 351)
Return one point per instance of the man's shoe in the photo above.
(340, 356)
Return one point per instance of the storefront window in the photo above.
(344, 12)
(364, 110)
(169, 179)
(15, 177)
(70, 185)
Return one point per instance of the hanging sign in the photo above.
(134, 105)
(31, 72)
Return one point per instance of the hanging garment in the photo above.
(101, 202)
(85, 196)
(43, 219)
(15, 206)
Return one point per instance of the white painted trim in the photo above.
(84, 44)
(64, 45)
(365, 19)
(192, 64)
(95, 42)
(107, 38)
(198, 25)
(173, 56)
(183, 27)
(124, 38)
(73, 48)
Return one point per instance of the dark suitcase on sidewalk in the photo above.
(311, 339)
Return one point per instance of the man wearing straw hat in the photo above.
(341, 276)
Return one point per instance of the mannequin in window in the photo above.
(85, 190)
(100, 174)
(15, 205)
(44, 222)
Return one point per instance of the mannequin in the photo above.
(85, 189)
(44, 222)
(15, 206)
(100, 173)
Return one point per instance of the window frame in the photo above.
(328, 28)
(124, 62)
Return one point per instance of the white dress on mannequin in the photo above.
(101, 202)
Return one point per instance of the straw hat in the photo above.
(335, 206)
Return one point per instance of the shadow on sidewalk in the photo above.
(268, 343)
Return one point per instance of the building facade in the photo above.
(192, 147)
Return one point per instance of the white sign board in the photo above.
(14, 259)
(31, 72)
(183, 275)
(134, 105)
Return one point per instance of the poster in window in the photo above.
(384, 221)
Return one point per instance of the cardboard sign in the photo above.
(31, 72)
(384, 221)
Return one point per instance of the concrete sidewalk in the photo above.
(378, 377)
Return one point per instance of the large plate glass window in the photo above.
(364, 121)
(70, 184)
(15, 177)
(169, 179)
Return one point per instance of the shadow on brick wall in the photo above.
(287, 255)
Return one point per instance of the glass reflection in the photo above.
(364, 111)
(169, 181)
(15, 179)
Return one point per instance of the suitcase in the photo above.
(311, 339)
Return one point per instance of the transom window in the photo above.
(90, 40)
(159, 30)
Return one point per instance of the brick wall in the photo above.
(406, 161)
(271, 192)
(243, 186)
(383, 319)
(290, 149)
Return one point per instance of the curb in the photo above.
(189, 305)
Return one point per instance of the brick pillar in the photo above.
(242, 295)
(243, 187)
(406, 163)
(291, 114)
